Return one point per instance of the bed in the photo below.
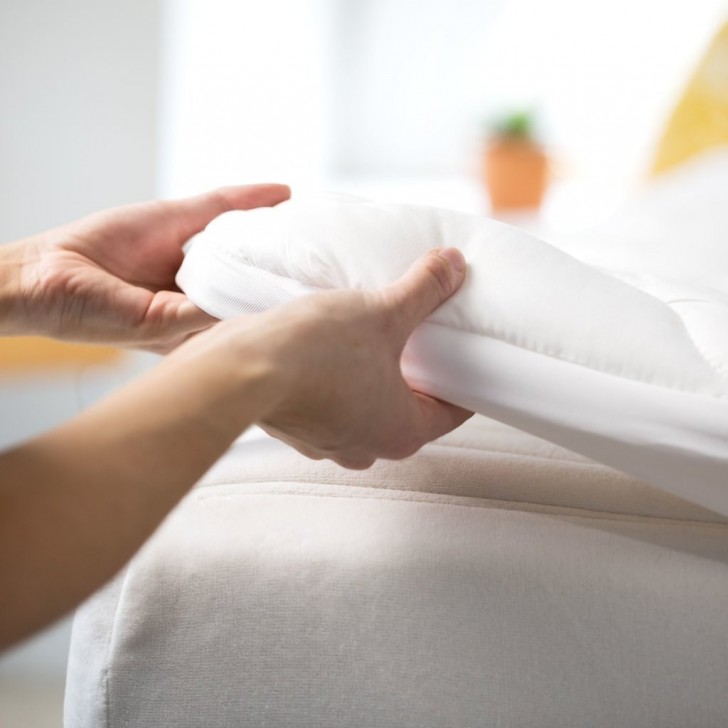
(539, 575)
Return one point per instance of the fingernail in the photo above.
(455, 258)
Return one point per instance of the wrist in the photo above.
(234, 369)
(267, 353)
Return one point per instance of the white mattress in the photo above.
(493, 579)
(628, 366)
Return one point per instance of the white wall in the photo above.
(314, 91)
(408, 84)
(78, 92)
(244, 93)
(606, 75)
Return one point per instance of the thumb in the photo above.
(429, 282)
(171, 318)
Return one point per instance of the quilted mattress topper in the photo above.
(627, 367)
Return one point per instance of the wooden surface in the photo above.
(31, 353)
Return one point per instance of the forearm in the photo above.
(76, 503)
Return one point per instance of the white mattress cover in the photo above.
(492, 578)
(629, 368)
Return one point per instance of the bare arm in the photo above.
(76, 503)
(322, 374)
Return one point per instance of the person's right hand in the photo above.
(322, 373)
(338, 389)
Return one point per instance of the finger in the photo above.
(429, 282)
(298, 445)
(349, 458)
(436, 418)
(172, 318)
(246, 197)
(194, 213)
(358, 461)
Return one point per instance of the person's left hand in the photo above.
(109, 278)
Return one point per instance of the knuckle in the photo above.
(222, 198)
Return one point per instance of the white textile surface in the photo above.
(627, 365)
(494, 579)
(285, 592)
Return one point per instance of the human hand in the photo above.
(322, 373)
(338, 391)
(109, 277)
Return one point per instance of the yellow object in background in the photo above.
(28, 354)
(700, 120)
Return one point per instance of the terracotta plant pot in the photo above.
(515, 172)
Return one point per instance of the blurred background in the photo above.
(107, 103)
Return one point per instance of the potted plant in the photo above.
(515, 166)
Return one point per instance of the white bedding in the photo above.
(628, 366)
(494, 578)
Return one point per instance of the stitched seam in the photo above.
(720, 369)
(557, 355)
(526, 507)
(335, 478)
(526, 456)
(224, 255)
(504, 454)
